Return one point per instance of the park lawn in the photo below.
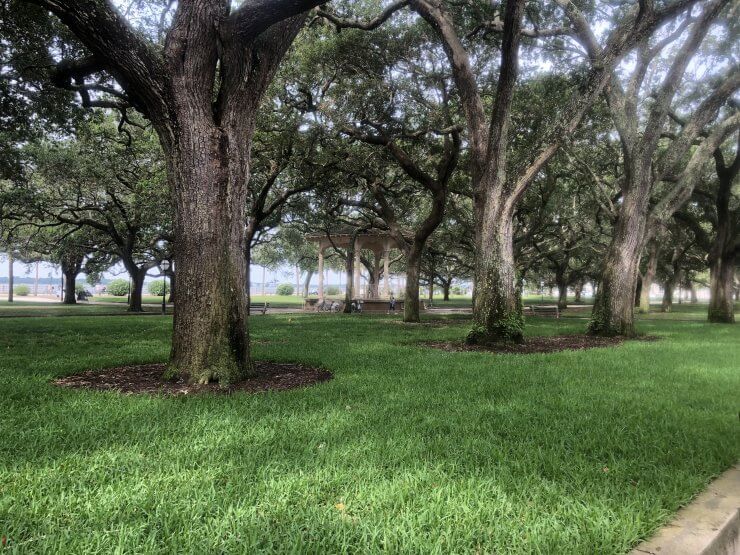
(407, 450)
(39, 309)
(145, 299)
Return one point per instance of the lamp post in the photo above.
(164, 266)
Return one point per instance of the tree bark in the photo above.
(307, 283)
(70, 286)
(649, 277)
(668, 286)
(722, 278)
(562, 292)
(723, 252)
(497, 310)
(137, 291)
(171, 298)
(613, 312)
(446, 291)
(413, 273)
(210, 339)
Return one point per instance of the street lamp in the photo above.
(164, 266)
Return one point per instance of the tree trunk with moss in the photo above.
(614, 305)
(667, 303)
(497, 311)
(411, 312)
(201, 90)
(726, 244)
(649, 276)
(721, 286)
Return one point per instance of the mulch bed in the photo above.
(147, 379)
(552, 344)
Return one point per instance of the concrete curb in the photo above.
(709, 525)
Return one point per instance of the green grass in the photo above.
(39, 309)
(407, 450)
(146, 299)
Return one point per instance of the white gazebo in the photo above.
(379, 243)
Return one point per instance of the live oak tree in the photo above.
(112, 186)
(497, 183)
(657, 179)
(201, 88)
(714, 218)
(726, 244)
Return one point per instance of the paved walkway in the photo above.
(709, 525)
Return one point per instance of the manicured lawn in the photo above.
(407, 450)
(37, 309)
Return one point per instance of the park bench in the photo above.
(258, 307)
(546, 311)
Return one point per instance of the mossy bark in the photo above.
(413, 272)
(648, 277)
(497, 310)
(614, 305)
(722, 278)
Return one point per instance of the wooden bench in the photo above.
(546, 311)
(258, 307)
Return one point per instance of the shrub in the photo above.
(457, 290)
(284, 289)
(118, 287)
(80, 288)
(332, 290)
(22, 290)
(156, 288)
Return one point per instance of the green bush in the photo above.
(118, 287)
(80, 288)
(284, 289)
(22, 290)
(457, 290)
(333, 290)
(156, 288)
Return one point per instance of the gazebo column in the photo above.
(358, 263)
(387, 271)
(321, 272)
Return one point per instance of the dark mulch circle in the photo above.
(147, 379)
(552, 344)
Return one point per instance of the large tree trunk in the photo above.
(562, 292)
(614, 305)
(171, 298)
(667, 304)
(137, 291)
(725, 244)
(70, 285)
(210, 340)
(307, 283)
(497, 310)
(413, 273)
(446, 291)
(722, 278)
(649, 277)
